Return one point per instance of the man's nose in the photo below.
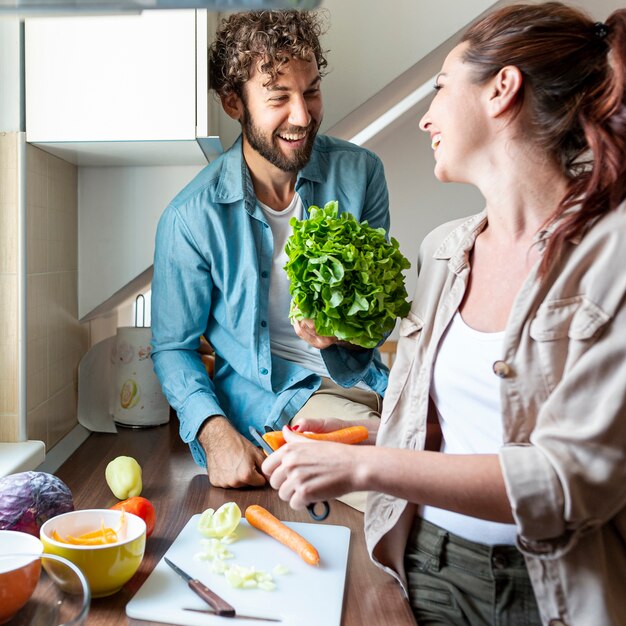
(299, 114)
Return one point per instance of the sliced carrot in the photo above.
(92, 538)
(109, 536)
(262, 519)
(352, 434)
(95, 534)
(86, 541)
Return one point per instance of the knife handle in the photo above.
(212, 599)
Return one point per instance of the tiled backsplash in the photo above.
(55, 339)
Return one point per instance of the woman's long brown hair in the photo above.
(573, 93)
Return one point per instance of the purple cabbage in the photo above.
(28, 499)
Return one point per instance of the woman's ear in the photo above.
(505, 90)
(232, 105)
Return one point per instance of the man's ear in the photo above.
(505, 90)
(232, 105)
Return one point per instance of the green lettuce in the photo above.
(345, 276)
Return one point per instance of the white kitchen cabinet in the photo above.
(119, 90)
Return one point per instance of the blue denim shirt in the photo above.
(211, 277)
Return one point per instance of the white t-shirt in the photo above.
(466, 393)
(283, 340)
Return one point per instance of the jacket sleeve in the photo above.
(571, 478)
(347, 367)
(181, 301)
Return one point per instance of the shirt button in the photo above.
(266, 225)
(263, 371)
(501, 369)
(263, 274)
(264, 323)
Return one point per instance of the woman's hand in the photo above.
(330, 424)
(305, 471)
(319, 424)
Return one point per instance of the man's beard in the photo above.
(269, 149)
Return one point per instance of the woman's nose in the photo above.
(425, 122)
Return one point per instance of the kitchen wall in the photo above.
(56, 340)
(119, 211)
(8, 287)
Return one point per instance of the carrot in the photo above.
(352, 434)
(93, 538)
(275, 439)
(262, 519)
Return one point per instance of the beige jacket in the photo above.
(563, 373)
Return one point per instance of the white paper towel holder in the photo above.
(137, 400)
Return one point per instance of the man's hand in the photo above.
(305, 329)
(232, 461)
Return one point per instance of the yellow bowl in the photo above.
(106, 567)
(20, 566)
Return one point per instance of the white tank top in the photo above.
(466, 394)
(283, 340)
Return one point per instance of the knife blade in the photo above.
(259, 439)
(318, 517)
(219, 605)
(237, 616)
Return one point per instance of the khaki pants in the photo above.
(332, 400)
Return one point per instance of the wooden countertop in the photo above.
(178, 488)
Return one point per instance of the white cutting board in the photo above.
(305, 596)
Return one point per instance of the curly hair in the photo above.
(273, 37)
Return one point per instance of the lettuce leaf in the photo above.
(345, 276)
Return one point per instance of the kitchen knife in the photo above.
(219, 605)
(318, 517)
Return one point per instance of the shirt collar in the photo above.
(312, 170)
(234, 175)
(543, 235)
(456, 246)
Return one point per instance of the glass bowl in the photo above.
(61, 596)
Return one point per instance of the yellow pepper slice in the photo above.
(220, 523)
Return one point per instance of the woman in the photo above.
(514, 344)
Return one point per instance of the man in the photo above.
(219, 259)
